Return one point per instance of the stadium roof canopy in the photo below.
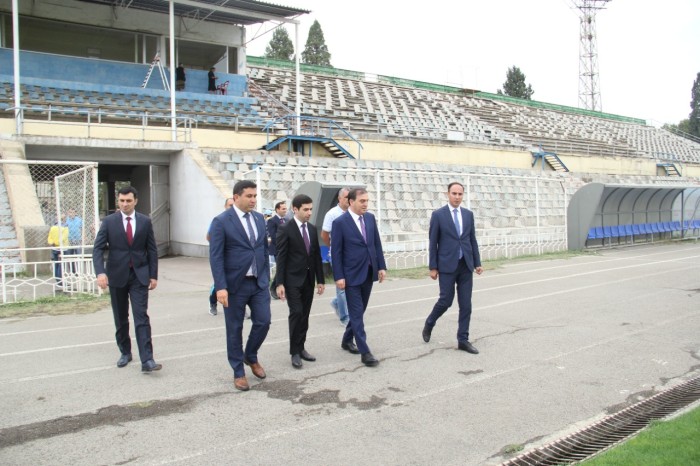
(240, 12)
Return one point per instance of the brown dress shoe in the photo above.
(241, 383)
(257, 369)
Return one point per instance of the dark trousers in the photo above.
(299, 300)
(462, 279)
(138, 294)
(357, 298)
(258, 300)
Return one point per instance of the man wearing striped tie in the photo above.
(240, 266)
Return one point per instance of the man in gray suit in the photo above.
(454, 256)
(132, 270)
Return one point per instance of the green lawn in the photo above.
(59, 305)
(663, 443)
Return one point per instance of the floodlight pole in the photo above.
(15, 58)
(588, 80)
(297, 106)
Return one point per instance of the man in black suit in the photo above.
(273, 224)
(453, 257)
(358, 262)
(132, 270)
(241, 269)
(299, 267)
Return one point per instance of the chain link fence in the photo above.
(48, 222)
(515, 215)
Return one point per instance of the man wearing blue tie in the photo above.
(358, 262)
(454, 256)
(241, 269)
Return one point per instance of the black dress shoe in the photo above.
(427, 330)
(124, 360)
(150, 366)
(306, 356)
(350, 347)
(296, 361)
(369, 360)
(468, 347)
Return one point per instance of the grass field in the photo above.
(664, 443)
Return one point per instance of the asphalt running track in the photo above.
(563, 343)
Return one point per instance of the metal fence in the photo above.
(515, 215)
(43, 202)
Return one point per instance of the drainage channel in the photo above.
(612, 429)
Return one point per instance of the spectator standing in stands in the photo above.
(453, 257)
(299, 268)
(212, 293)
(358, 262)
(273, 224)
(212, 80)
(58, 239)
(180, 78)
(338, 303)
(241, 268)
(131, 271)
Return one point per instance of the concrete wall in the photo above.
(128, 19)
(194, 202)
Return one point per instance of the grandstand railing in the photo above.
(98, 118)
(515, 215)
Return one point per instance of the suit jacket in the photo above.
(142, 254)
(293, 264)
(445, 244)
(231, 254)
(273, 224)
(351, 255)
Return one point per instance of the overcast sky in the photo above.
(648, 52)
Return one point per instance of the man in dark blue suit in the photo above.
(240, 265)
(454, 256)
(358, 262)
(132, 270)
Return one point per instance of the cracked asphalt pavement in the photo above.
(562, 343)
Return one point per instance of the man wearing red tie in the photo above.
(299, 268)
(358, 262)
(131, 271)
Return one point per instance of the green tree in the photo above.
(316, 51)
(280, 46)
(515, 85)
(694, 117)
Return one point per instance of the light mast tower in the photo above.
(588, 83)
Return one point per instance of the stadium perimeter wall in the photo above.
(377, 148)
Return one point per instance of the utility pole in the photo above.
(588, 82)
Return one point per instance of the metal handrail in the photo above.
(290, 122)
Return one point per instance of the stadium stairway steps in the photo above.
(669, 168)
(8, 234)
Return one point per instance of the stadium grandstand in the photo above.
(87, 90)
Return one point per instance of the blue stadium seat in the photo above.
(591, 234)
(599, 233)
(636, 230)
(655, 227)
(628, 230)
(607, 232)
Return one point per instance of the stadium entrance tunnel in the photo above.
(608, 214)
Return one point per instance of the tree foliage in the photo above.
(316, 51)
(515, 85)
(280, 46)
(694, 117)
